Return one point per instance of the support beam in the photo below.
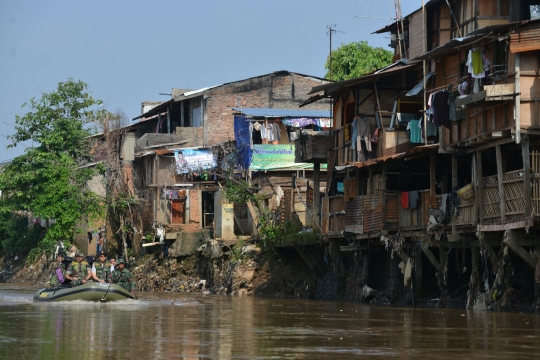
(316, 192)
(383, 188)
(169, 120)
(432, 259)
(182, 124)
(500, 179)
(479, 186)
(526, 174)
(313, 265)
(511, 238)
(517, 101)
(370, 183)
(454, 171)
(418, 283)
(443, 257)
(432, 174)
(474, 282)
(454, 185)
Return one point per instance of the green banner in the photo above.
(276, 157)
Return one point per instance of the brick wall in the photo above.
(195, 211)
(283, 90)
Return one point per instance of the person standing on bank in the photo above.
(101, 268)
(122, 276)
(59, 276)
(79, 271)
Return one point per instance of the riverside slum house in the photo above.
(444, 206)
(265, 144)
(179, 145)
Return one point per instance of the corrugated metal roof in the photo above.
(473, 36)
(418, 149)
(418, 87)
(283, 113)
(199, 92)
(397, 66)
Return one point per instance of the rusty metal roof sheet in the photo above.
(398, 66)
(416, 150)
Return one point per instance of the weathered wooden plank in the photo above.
(432, 259)
(511, 238)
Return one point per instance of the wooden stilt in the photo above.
(432, 259)
(418, 283)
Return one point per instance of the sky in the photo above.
(131, 51)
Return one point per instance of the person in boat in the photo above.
(79, 271)
(58, 278)
(112, 260)
(122, 276)
(101, 268)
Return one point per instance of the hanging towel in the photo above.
(415, 131)
(354, 131)
(405, 200)
(414, 197)
(364, 132)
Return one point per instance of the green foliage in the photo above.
(16, 236)
(291, 228)
(269, 230)
(353, 60)
(238, 192)
(236, 252)
(49, 180)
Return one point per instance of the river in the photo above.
(196, 326)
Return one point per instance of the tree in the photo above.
(49, 179)
(356, 59)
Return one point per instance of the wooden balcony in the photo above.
(368, 215)
(313, 146)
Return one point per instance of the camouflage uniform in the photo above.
(80, 270)
(54, 279)
(102, 270)
(122, 278)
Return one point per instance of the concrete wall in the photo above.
(224, 217)
(128, 149)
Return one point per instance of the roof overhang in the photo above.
(282, 113)
(328, 90)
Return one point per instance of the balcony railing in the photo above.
(383, 211)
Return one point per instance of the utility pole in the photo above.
(331, 29)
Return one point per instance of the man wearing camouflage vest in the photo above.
(79, 271)
(122, 276)
(101, 268)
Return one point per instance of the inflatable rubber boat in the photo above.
(91, 291)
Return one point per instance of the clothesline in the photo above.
(444, 87)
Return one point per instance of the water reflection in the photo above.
(183, 326)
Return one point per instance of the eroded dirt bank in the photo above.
(370, 277)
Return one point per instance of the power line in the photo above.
(331, 29)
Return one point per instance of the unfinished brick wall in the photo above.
(195, 211)
(283, 90)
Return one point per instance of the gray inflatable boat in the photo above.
(91, 291)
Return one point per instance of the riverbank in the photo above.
(311, 272)
(248, 271)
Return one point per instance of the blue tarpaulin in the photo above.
(243, 138)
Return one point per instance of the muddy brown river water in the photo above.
(195, 326)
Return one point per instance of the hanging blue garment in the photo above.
(242, 135)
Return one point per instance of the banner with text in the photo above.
(275, 157)
(188, 161)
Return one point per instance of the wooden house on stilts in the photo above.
(435, 159)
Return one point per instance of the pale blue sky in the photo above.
(130, 51)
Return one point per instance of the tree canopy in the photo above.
(49, 179)
(356, 59)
